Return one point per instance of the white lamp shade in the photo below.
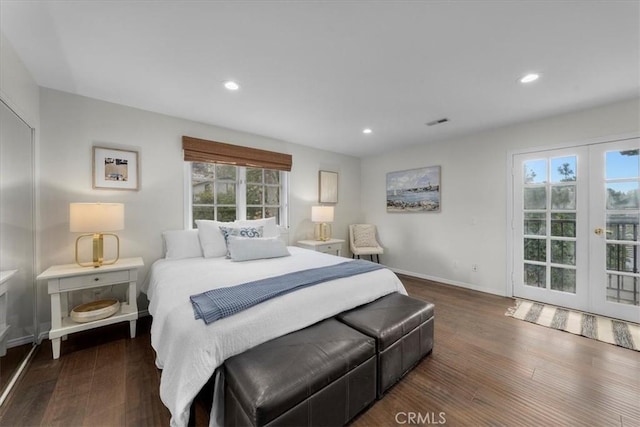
(322, 213)
(96, 217)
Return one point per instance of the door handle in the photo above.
(601, 231)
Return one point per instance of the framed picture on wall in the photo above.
(414, 190)
(115, 169)
(328, 187)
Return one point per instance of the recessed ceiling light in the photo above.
(367, 131)
(231, 85)
(532, 77)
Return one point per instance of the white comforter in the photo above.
(188, 351)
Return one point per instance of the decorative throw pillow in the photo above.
(250, 232)
(246, 249)
(364, 235)
(269, 225)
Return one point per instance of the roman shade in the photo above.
(202, 150)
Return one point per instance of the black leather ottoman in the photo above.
(403, 329)
(322, 375)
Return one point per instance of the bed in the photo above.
(189, 352)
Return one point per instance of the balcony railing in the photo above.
(622, 257)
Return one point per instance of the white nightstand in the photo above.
(331, 246)
(63, 279)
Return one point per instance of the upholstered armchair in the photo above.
(363, 241)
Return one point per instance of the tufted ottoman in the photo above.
(403, 329)
(322, 375)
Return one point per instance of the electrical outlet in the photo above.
(474, 268)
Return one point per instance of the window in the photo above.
(225, 182)
(226, 192)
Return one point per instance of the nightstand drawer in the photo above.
(97, 279)
(329, 248)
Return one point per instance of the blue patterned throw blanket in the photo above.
(223, 302)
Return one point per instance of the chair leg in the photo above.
(353, 256)
(378, 258)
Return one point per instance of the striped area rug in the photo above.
(617, 332)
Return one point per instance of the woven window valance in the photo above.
(202, 150)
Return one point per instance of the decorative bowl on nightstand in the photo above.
(95, 310)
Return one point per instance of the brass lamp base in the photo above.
(322, 232)
(98, 250)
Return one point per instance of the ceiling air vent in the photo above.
(437, 122)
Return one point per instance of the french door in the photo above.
(576, 221)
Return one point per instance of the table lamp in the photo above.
(322, 215)
(95, 219)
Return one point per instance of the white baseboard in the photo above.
(15, 342)
(448, 282)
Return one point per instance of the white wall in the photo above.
(471, 228)
(72, 124)
(17, 87)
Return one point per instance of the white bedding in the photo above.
(188, 351)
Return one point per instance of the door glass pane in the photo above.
(535, 198)
(563, 279)
(535, 172)
(623, 226)
(563, 252)
(535, 275)
(622, 195)
(535, 250)
(563, 197)
(535, 223)
(622, 257)
(563, 169)
(623, 289)
(563, 224)
(622, 164)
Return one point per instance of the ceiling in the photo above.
(318, 72)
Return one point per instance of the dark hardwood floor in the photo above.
(486, 369)
(10, 362)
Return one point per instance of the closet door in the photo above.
(17, 242)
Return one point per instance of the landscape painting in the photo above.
(414, 190)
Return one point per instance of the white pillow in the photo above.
(364, 236)
(181, 244)
(211, 238)
(269, 225)
(249, 248)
